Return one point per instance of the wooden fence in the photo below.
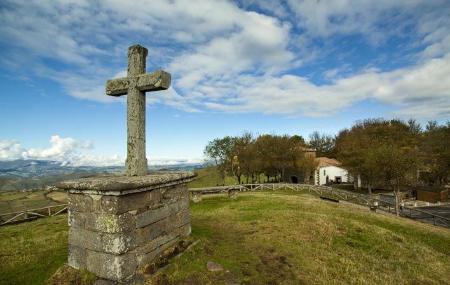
(32, 214)
(372, 202)
(323, 191)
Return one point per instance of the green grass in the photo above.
(31, 252)
(287, 238)
(264, 238)
(209, 176)
(17, 201)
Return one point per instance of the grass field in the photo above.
(264, 238)
(30, 252)
(17, 201)
(209, 176)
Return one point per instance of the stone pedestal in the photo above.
(118, 224)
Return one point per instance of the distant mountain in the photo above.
(36, 174)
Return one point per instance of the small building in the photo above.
(328, 171)
(433, 195)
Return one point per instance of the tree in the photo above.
(242, 152)
(435, 153)
(395, 166)
(220, 151)
(357, 148)
(322, 144)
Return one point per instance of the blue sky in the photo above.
(284, 67)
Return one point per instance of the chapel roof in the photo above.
(325, 161)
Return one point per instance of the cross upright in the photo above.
(135, 85)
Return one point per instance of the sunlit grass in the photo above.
(280, 237)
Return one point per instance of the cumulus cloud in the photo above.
(10, 150)
(224, 57)
(73, 152)
(68, 151)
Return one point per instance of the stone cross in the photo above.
(135, 85)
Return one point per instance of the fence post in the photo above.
(49, 211)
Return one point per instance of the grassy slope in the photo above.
(17, 201)
(286, 238)
(209, 176)
(30, 252)
(264, 238)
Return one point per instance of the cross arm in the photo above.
(158, 80)
(117, 87)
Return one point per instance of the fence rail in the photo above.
(324, 191)
(372, 202)
(32, 214)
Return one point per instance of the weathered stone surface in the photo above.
(117, 243)
(152, 231)
(173, 235)
(152, 250)
(111, 223)
(163, 211)
(140, 201)
(162, 227)
(80, 202)
(123, 185)
(102, 222)
(147, 257)
(77, 256)
(117, 222)
(135, 85)
(108, 231)
(110, 266)
(174, 194)
(152, 216)
(158, 80)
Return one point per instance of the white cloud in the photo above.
(72, 152)
(10, 149)
(65, 150)
(423, 87)
(226, 58)
(366, 17)
(60, 149)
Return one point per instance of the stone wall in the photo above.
(114, 234)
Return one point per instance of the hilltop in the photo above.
(264, 238)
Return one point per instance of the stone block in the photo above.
(152, 216)
(117, 243)
(139, 201)
(76, 219)
(111, 223)
(77, 256)
(80, 202)
(174, 194)
(118, 224)
(152, 250)
(182, 218)
(144, 258)
(152, 231)
(179, 206)
(102, 222)
(113, 267)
